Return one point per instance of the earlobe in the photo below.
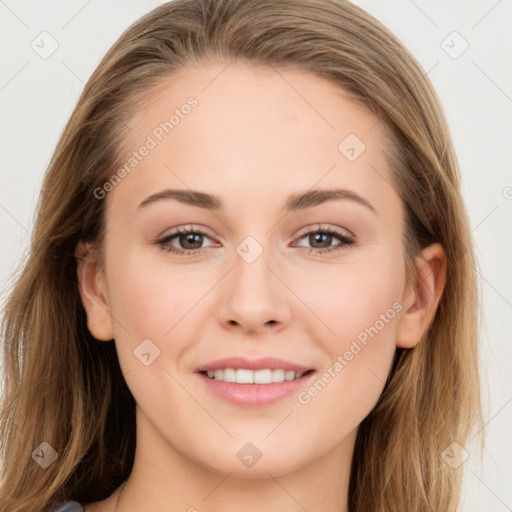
(422, 296)
(93, 292)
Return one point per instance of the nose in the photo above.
(254, 299)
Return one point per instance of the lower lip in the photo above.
(255, 394)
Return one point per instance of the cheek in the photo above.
(149, 296)
(359, 312)
(359, 358)
(347, 299)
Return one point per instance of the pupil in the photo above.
(327, 239)
(189, 238)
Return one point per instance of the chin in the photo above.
(253, 459)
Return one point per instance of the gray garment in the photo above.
(70, 506)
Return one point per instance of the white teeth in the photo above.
(262, 376)
(289, 375)
(229, 375)
(243, 376)
(277, 375)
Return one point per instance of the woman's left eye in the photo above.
(190, 241)
(324, 238)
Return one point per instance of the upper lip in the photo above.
(272, 363)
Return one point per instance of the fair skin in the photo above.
(252, 140)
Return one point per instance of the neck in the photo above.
(165, 478)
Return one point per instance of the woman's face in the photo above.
(255, 279)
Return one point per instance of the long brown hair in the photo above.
(64, 388)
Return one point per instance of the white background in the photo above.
(37, 97)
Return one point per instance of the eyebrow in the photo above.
(298, 201)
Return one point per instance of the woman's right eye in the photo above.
(186, 241)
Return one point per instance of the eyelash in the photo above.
(163, 243)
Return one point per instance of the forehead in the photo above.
(255, 98)
(235, 129)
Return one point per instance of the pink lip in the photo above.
(272, 363)
(254, 395)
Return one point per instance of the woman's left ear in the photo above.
(422, 296)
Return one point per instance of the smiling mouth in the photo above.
(246, 376)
